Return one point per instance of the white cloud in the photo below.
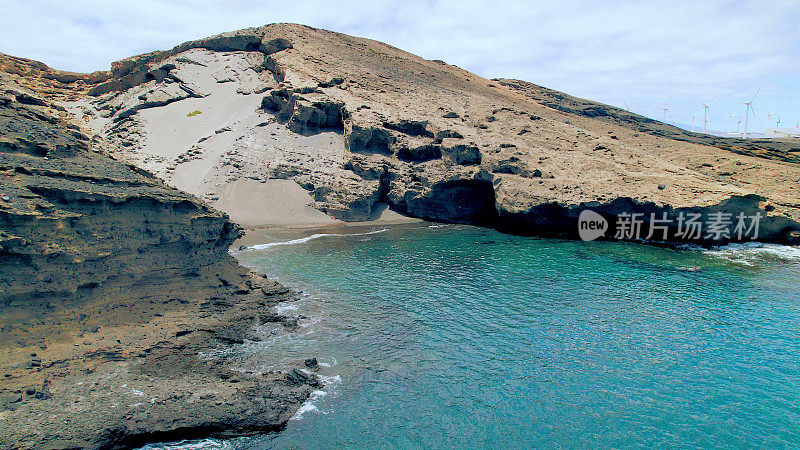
(636, 51)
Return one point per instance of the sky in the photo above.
(646, 54)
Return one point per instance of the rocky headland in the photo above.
(113, 286)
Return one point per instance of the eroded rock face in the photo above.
(369, 140)
(462, 154)
(358, 124)
(111, 285)
(304, 114)
(459, 201)
(111, 278)
(72, 218)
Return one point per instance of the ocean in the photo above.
(435, 336)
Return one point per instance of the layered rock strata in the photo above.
(113, 286)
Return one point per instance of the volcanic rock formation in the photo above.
(359, 124)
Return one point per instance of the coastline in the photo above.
(276, 233)
(123, 368)
(388, 322)
(131, 383)
(115, 285)
(277, 228)
(123, 292)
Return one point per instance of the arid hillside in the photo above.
(356, 125)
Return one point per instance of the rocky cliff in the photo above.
(111, 285)
(359, 124)
(73, 218)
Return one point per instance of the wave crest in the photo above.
(751, 253)
(309, 238)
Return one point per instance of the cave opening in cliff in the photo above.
(460, 201)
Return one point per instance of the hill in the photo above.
(356, 125)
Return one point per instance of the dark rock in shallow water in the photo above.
(297, 376)
(311, 363)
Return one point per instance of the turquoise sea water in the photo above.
(455, 336)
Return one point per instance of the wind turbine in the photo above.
(705, 114)
(738, 124)
(730, 123)
(747, 109)
(693, 117)
(778, 124)
(666, 110)
(769, 115)
(627, 108)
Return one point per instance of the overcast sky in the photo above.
(645, 53)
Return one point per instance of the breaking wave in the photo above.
(309, 238)
(753, 253)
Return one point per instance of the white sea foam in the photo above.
(309, 238)
(311, 321)
(190, 445)
(752, 253)
(280, 309)
(306, 407)
(328, 382)
(317, 394)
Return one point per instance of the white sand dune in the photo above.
(220, 146)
